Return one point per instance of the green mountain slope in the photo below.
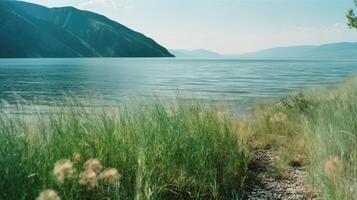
(344, 50)
(30, 30)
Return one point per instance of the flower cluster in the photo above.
(77, 157)
(93, 173)
(63, 170)
(333, 165)
(109, 176)
(278, 117)
(48, 195)
(93, 164)
(91, 176)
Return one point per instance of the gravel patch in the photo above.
(268, 186)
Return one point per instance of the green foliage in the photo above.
(351, 17)
(320, 132)
(162, 151)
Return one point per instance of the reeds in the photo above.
(175, 150)
(318, 132)
(158, 150)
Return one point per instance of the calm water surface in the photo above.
(110, 80)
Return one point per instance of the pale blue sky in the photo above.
(227, 26)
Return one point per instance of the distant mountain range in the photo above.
(343, 50)
(197, 53)
(29, 30)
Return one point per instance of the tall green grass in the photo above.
(161, 150)
(182, 150)
(320, 132)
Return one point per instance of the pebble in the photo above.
(270, 187)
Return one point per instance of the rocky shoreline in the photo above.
(268, 186)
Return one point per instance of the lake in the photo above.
(108, 80)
